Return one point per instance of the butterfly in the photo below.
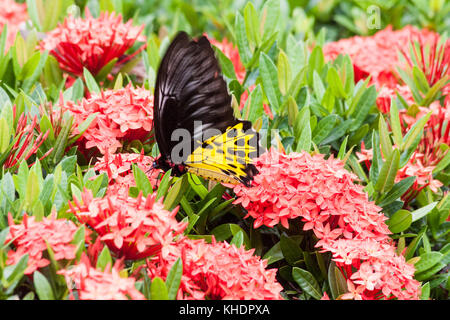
(194, 124)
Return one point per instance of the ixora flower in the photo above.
(122, 115)
(377, 55)
(319, 191)
(118, 168)
(132, 228)
(217, 271)
(32, 237)
(373, 270)
(12, 15)
(93, 284)
(92, 43)
(323, 194)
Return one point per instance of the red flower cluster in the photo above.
(217, 271)
(31, 237)
(377, 55)
(12, 15)
(93, 284)
(91, 43)
(133, 228)
(118, 167)
(122, 115)
(330, 204)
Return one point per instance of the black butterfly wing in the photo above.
(189, 88)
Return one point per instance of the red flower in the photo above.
(323, 194)
(27, 143)
(377, 55)
(131, 228)
(93, 284)
(31, 237)
(122, 115)
(217, 271)
(92, 43)
(13, 15)
(118, 167)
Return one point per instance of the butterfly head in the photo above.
(165, 165)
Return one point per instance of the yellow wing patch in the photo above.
(226, 157)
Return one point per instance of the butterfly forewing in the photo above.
(191, 95)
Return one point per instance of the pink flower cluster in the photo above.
(132, 228)
(323, 194)
(32, 237)
(93, 284)
(118, 167)
(122, 115)
(377, 55)
(12, 15)
(217, 271)
(91, 42)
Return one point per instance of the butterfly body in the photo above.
(194, 124)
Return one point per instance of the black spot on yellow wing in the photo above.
(226, 157)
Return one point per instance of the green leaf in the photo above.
(363, 107)
(315, 63)
(34, 14)
(292, 110)
(319, 88)
(290, 249)
(335, 83)
(307, 282)
(443, 163)
(397, 191)
(423, 211)
(226, 64)
(415, 131)
(5, 135)
(388, 173)
(428, 261)
(164, 184)
(241, 40)
(159, 290)
(284, 72)
(425, 291)
(254, 106)
(43, 289)
(238, 239)
(90, 81)
(104, 259)
(304, 141)
(269, 79)
(142, 181)
(175, 194)
(251, 24)
(274, 254)
(386, 144)
(400, 221)
(270, 18)
(395, 124)
(15, 272)
(173, 279)
(338, 284)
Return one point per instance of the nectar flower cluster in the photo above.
(323, 194)
(122, 115)
(12, 15)
(93, 284)
(31, 237)
(118, 168)
(91, 43)
(377, 55)
(217, 271)
(132, 228)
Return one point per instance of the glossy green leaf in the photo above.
(400, 221)
(307, 282)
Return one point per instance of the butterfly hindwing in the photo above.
(226, 156)
(190, 90)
